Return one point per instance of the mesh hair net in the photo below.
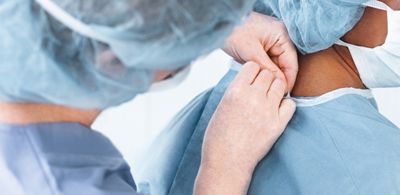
(44, 61)
(314, 25)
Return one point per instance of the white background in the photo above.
(132, 126)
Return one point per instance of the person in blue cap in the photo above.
(336, 143)
(63, 62)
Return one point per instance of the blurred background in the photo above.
(133, 125)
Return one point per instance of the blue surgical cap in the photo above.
(43, 60)
(314, 25)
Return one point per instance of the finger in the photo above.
(291, 76)
(264, 80)
(276, 50)
(268, 63)
(262, 58)
(280, 75)
(286, 55)
(275, 70)
(247, 74)
(286, 111)
(289, 64)
(276, 92)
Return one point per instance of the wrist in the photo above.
(228, 162)
(228, 168)
(215, 178)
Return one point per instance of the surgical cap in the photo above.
(46, 59)
(314, 25)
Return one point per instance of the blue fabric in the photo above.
(60, 158)
(314, 25)
(165, 161)
(44, 61)
(342, 146)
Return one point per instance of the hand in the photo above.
(265, 40)
(246, 124)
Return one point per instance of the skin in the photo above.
(44, 113)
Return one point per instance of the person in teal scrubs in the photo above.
(63, 62)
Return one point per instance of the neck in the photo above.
(326, 71)
(28, 113)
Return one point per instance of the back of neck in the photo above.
(28, 113)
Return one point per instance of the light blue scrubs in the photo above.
(60, 158)
(337, 143)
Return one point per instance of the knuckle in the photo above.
(253, 56)
(252, 65)
(281, 25)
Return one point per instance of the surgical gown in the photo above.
(60, 158)
(337, 143)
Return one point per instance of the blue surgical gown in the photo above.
(337, 143)
(60, 158)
